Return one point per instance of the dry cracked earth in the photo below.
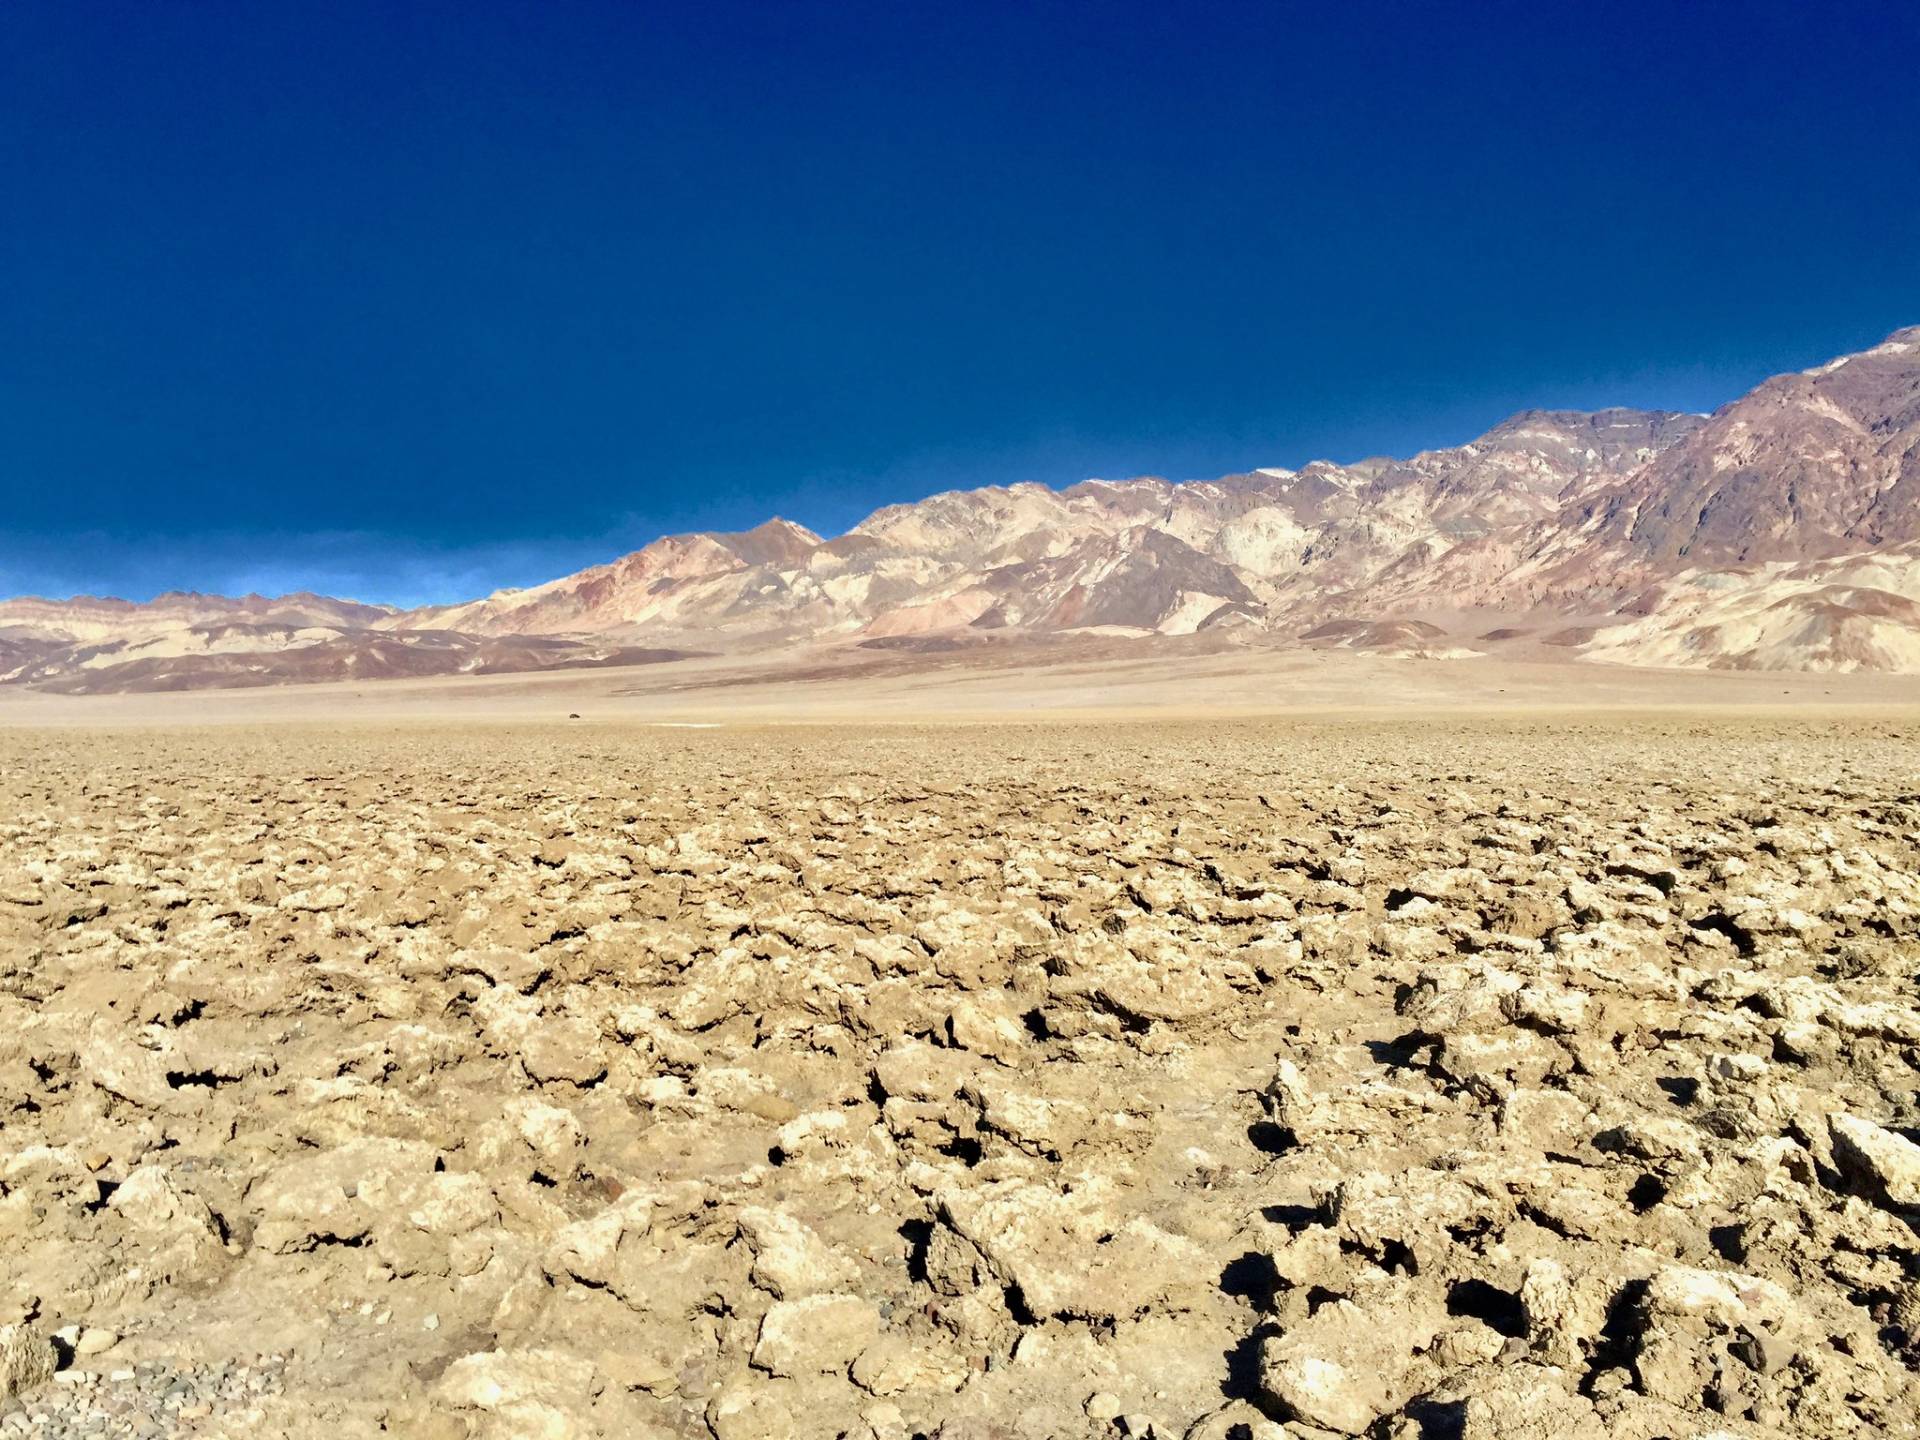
(1494, 1079)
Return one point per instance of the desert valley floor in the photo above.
(421, 1061)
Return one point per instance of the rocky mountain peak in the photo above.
(1597, 514)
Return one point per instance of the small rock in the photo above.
(1468, 1345)
(1763, 1351)
(1885, 1163)
(1239, 1420)
(27, 1360)
(816, 1334)
(789, 1260)
(988, 1025)
(563, 1050)
(504, 1379)
(1349, 1364)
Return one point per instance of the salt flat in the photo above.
(1388, 1069)
(1087, 679)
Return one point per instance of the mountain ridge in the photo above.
(1634, 524)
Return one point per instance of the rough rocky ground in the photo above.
(1511, 1079)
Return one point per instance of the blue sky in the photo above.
(409, 301)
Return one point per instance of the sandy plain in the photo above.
(1160, 678)
(1450, 1050)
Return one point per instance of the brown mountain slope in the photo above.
(1804, 466)
(226, 655)
(98, 618)
(650, 585)
(1821, 463)
(1589, 523)
(1144, 554)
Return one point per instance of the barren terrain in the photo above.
(1404, 1074)
(1779, 534)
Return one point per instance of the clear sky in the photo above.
(409, 300)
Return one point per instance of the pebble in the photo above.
(1103, 1405)
(145, 1402)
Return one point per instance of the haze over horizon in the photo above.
(410, 306)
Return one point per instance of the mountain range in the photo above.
(1782, 532)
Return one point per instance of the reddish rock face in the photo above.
(1822, 463)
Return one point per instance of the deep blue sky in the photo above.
(408, 300)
